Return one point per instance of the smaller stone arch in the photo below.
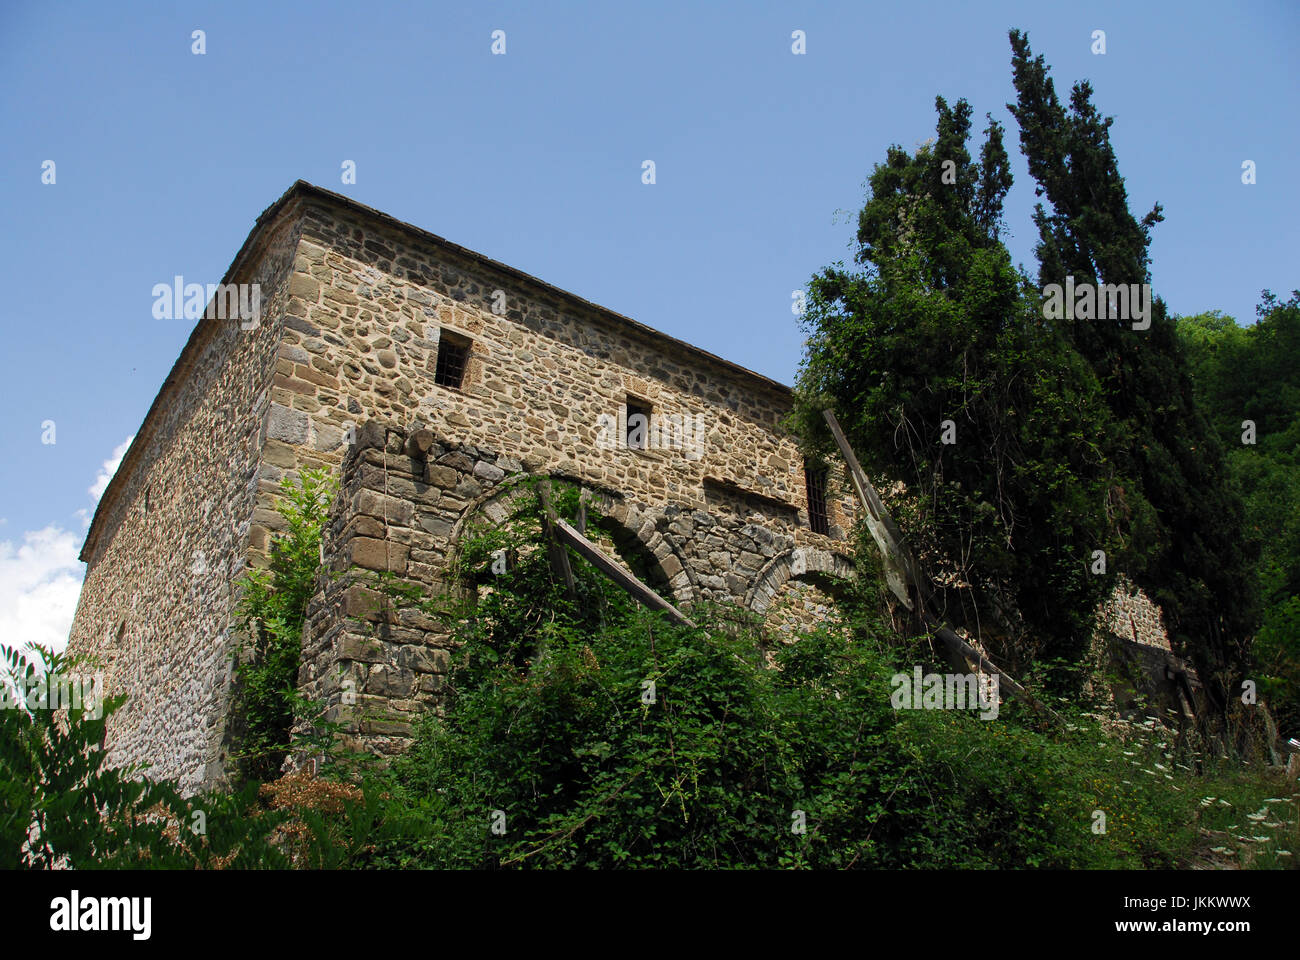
(644, 529)
(820, 567)
(632, 527)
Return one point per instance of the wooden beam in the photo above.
(611, 569)
(554, 549)
(900, 572)
(903, 578)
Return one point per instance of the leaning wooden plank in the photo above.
(616, 573)
(954, 642)
(900, 575)
(904, 580)
(559, 559)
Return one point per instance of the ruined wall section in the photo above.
(1130, 614)
(172, 532)
(376, 666)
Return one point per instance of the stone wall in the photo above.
(377, 666)
(368, 304)
(172, 532)
(1131, 614)
(355, 305)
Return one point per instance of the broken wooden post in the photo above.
(902, 575)
(580, 524)
(607, 566)
(554, 549)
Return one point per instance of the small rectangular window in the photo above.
(814, 478)
(638, 424)
(453, 356)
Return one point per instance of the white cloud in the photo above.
(40, 579)
(39, 584)
(109, 468)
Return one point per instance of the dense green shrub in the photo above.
(551, 737)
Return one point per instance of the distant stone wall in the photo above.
(173, 534)
(1131, 614)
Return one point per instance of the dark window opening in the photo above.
(814, 479)
(638, 424)
(453, 357)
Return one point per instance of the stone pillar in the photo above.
(376, 665)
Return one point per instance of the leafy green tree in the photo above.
(938, 326)
(1253, 374)
(1197, 562)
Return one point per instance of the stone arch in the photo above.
(638, 530)
(811, 564)
(634, 529)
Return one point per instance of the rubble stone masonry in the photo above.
(355, 306)
(171, 535)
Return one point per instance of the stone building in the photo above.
(371, 329)
(372, 332)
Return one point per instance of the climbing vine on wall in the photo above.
(270, 613)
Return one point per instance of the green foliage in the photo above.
(1253, 373)
(550, 722)
(937, 327)
(54, 785)
(1197, 561)
(63, 806)
(550, 732)
(271, 613)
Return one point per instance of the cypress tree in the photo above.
(1192, 557)
(938, 326)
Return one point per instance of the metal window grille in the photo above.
(814, 479)
(453, 355)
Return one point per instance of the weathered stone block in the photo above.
(442, 476)
(289, 426)
(379, 554)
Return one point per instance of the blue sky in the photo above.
(163, 160)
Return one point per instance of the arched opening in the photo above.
(797, 592)
(635, 537)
